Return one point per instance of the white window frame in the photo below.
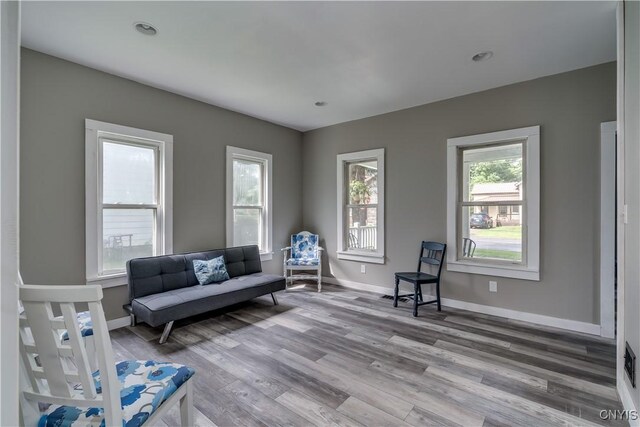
(95, 131)
(343, 252)
(530, 268)
(266, 253)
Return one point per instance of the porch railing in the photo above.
(363, 237)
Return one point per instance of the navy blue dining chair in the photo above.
(431, 253)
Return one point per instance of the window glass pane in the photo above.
(491, 235)
(128, 174)
(362, 228)
(492, 173)
(247, 183)
(247, 229)
(126, 234)
(363, 182)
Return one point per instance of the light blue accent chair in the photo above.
(303, 256)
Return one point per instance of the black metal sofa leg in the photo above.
(395, 293)
(166, 332)
(273, 297)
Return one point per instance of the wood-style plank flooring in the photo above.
(345, 357)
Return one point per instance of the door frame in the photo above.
(607, 228)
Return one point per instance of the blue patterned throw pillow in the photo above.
(211, 271)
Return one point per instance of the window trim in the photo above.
(267, 161)
(378, 256)
(95, 131)
(531, 209)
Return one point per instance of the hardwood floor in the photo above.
(349, 358)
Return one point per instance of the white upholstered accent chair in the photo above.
(60, 379)
(304, 254)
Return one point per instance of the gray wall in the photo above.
(632, 183)
(56, 98)
(569, 107)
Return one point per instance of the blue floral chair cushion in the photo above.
(304, 250)
(145, 385)
(86, 326)
(303, 261)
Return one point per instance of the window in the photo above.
(491, 179)
(361, 206)
(249, 200)
(128, 198)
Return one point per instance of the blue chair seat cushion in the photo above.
(145, 384)
(85, 323)
(303, 261)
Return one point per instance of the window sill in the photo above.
(494, 270)
(266, 256)
(110, 281)
(361, 256)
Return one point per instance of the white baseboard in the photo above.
(118, 323)
(627, 402)
(556, 322)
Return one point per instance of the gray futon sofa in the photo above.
(163, 289)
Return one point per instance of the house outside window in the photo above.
(249, 216)
(493, 199)
(361, 206)
(128, 198)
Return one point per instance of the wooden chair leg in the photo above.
(395, 293)
(186, 406)
(438, 295)
(415, 299)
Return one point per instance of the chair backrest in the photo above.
(352, 240)
(59, 370)
(432, 253)
(304, 245)
(468, 247)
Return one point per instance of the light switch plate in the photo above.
(363, 268)
(493, 286)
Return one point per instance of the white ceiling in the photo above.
(274, 60)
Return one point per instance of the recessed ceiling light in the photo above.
(146, 29)
(482, 56)
(320, 103)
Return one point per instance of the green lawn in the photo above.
(498, 254)
(506, 232)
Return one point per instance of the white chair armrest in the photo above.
(320, 248)
(285, 249)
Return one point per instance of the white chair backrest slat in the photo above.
(28, 360)
(110, 383)
(78, 348)
(58, 323)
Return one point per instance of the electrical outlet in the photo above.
(363, 269)
(493, 286)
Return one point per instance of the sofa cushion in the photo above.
(163, 307)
